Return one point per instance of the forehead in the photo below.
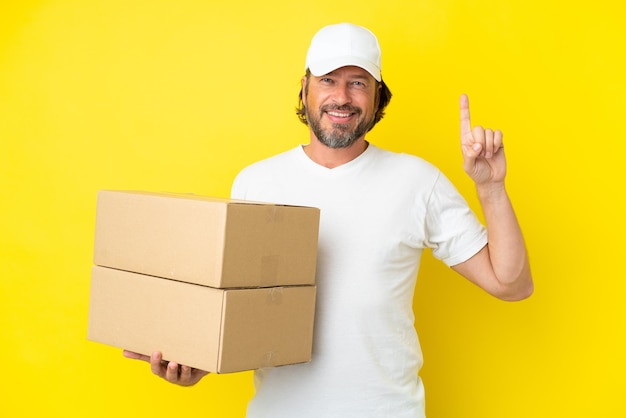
(351, 72)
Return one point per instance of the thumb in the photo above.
(472, 151)
(470, 154)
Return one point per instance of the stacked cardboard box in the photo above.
(216, 284)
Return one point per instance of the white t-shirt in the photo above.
(378, 213)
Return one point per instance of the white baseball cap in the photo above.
(341, 45)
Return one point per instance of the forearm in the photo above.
(507, 250)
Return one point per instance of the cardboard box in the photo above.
(214, 242)
(217, 330)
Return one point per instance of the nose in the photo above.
(341, 94)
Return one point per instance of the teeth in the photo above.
(339, 115)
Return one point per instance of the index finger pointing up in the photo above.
(465, 116)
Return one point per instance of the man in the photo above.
(379, 211)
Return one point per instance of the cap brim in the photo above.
(321, 68)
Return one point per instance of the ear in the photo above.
(303, 96)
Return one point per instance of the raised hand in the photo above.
(483, 150)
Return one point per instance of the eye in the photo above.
(359, 84)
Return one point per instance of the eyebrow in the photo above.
(359, 76)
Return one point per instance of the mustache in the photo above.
(341, 108)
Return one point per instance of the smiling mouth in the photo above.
(341, 112)
(338, 114)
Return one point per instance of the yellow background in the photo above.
(172, 95)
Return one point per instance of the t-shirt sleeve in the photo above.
(238, 187)
(454, 233)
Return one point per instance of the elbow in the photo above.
(518, 294)
(520, 289)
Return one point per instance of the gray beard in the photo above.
(340, 136)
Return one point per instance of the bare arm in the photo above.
(501, 267)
